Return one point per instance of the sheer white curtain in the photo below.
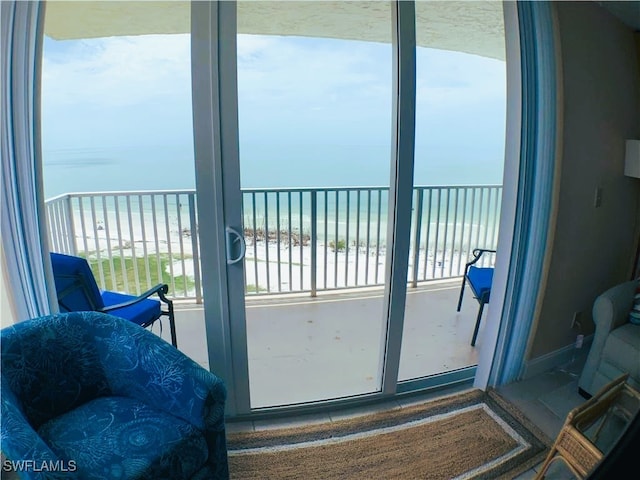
(23, 227)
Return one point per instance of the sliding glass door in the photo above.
(304, 143)
(312, 216)
(314, 111)
(305, 129)
(459, 159)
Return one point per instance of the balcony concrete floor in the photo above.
(304, 349)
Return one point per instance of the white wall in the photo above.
(593, 247)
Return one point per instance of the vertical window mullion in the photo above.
(401, 188)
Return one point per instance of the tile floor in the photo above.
(546, 399)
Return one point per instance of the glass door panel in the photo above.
(118, 153)
(315, 109)
(459, 157)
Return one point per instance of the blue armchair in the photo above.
(99, 397)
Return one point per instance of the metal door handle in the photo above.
(233, 236)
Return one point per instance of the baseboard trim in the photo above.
(554, 359)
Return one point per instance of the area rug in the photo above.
(473, 435)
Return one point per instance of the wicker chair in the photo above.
(577, 442)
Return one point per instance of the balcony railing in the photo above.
(298, 239)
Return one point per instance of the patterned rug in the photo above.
(473, 435)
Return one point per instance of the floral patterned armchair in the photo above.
(92, 396)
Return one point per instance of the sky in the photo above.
(307, 106)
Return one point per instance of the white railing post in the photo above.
(417, 224)
(314, 242)
(195, 247)
(71, 225)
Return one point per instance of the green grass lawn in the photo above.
(253, 289)
(181, 282)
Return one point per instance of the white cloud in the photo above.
(449, 80)
(290, 88)
(118, 71)
(313, 72)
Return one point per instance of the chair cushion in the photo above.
(480, 279)
(621, 352)
(143, 313)
(122, 438)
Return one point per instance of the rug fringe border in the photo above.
(503, 407)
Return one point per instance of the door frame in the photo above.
(214, 77)
(216, 147)
(215, 110)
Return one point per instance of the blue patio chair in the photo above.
(480, 279)
(78, 291)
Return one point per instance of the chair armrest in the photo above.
(161, 289)
(477, 254)
(479, 251)
(611, 308)
(139, 364)
(20, 442)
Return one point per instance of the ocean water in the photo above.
(262, 166)
(79, 170)
(355, 217)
